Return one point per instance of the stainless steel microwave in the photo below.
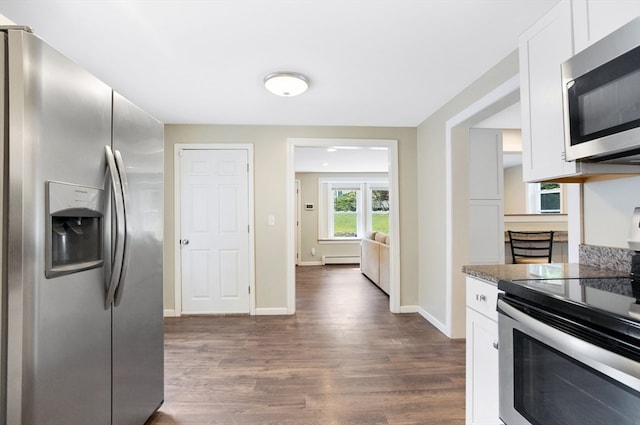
(601, 99)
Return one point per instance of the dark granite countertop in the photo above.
(494, 273)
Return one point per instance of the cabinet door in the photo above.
(482, 370)
(593, 19)
(543, 48)
(486, 211)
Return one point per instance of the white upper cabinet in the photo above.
(593, 19)
(543, 48)
(566, 29)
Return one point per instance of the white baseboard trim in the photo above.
(340, 259)
(272, 312)
(409, 309)
(310, 263)
(169, 312)
(435, 322)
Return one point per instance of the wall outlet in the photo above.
(313, 252)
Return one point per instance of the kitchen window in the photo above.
(544, 198)
(350, 208)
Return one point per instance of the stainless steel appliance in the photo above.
(569, 351)
(81, 311)
(601, 96)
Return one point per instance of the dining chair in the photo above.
(531, 247)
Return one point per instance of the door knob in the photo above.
(184, 241)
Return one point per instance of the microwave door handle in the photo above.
(620, 368)
(116, 264)
(127, 226)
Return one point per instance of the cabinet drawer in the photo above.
(482, 297)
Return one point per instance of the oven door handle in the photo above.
(618, 367)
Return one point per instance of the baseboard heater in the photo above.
(340, 259)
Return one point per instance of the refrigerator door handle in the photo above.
(116, 264)
(127, 226)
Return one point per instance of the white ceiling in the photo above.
(371, 63)
(343, 159)
(508, 118)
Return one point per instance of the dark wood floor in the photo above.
(343, 358)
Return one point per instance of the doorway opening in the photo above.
(457, 208)
(296, 204)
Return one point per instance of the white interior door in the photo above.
(214, 231)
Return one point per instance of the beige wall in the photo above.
(515, 193)
(608, 207)
(5, 21)
(270, 163)
(309, 219)
(432, 194)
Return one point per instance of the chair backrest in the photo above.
(531, 247)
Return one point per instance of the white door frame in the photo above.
(503, 96)
(298, 206)
(394, 219)
(177, 215)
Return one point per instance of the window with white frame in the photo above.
(345, 209)
(348, 208)
(378, 212)
(544, 198)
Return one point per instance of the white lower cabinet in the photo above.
(482, 354)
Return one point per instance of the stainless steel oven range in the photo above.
(569, 351)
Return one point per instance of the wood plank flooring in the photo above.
(342, 359)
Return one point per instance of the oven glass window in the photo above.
(551, 388)
(611, 105)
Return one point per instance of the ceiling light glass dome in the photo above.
(286, 83)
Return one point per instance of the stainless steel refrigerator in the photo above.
(82, 198)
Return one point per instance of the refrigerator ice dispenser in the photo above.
(74, 228)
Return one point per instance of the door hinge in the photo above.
(248, 228)
(247, 167)
(249, 289)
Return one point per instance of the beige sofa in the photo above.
(374, 259)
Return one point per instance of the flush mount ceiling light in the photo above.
(286, 83)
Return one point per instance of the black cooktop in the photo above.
(608, 304)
